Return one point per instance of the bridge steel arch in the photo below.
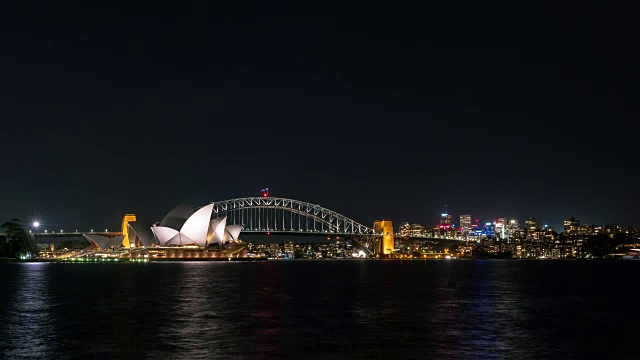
(274, 214)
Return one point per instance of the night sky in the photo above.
(373, 110)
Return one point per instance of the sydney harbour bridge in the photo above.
(280, 215)
(275, 215)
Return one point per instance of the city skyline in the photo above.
(431, 221)
(374, 112)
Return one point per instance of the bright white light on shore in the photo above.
(36, 223)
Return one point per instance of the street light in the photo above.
(35, 225)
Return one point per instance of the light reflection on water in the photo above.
(318, 309)
(28, 318)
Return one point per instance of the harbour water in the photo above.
(386, 309)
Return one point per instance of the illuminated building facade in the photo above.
(445, 228)
(445, 221)
(489, 230)
(501, 229)
(196, 228)
(532, 228)
(572, 226)
(408, 230)
(140, 235)
(531, 225)
(416, 230)
(465, 224)
(513, 229)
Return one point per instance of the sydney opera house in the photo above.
(182, 233)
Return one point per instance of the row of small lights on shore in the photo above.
(61, 231)
(36, 224)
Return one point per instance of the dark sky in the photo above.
(373, 110)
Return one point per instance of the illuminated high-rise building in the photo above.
(445, 220)
(512, 228)
(531, 225)
(501, 228)
(465, 224)
(571, 226)
(489, 229)
(532, 228)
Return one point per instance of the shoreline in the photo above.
(129, 260)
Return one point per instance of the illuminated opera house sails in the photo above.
(194, 230)
(180, 227)
(140, 234)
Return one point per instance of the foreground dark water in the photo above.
(320, 309)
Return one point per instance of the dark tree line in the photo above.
(600, 246)
(16, 242)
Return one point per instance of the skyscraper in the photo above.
(501, 228)
(531, 225)
(465, 224)
(513, 228)
(445, 219)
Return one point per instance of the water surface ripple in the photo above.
(320, 309)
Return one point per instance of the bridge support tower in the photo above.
(125, 229)
(384, 247)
